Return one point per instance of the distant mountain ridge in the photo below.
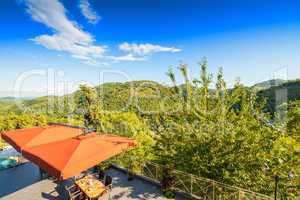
(9, 98)
(285, 92)
(267, 84)
(147, 95)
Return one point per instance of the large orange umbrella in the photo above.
(29, 137)
(67, 158)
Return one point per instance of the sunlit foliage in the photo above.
(201, 126)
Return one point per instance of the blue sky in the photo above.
(85, 40)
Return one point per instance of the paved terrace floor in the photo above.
(23, 182)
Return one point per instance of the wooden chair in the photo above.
(73, 192)
(108, 182)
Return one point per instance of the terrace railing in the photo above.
(198, 187)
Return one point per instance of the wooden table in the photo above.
(91, 187)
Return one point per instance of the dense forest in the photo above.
(201, 127)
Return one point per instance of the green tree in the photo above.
(225, 136)
(88, 102)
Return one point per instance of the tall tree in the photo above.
(89, 105)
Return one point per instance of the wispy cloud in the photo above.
(96, 63)
(88, 12)
(128, 57)
(145, 49)
(67, 36)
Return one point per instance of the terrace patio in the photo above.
(23, 182)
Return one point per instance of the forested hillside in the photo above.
(220, 133)
(145, 95)
(275, 95)
(267, 84)
(148, 96)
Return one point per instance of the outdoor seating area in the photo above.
(64, 152)
(89, 187)
(89, 184)
(23, 182)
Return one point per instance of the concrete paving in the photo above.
(135, 189)
(23, 182)
(16, 178)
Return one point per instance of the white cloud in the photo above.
(52, 14)
(145, 49)
(70, 38)
(61, 43)
(67, 37)
(88, 12)
(128, 57)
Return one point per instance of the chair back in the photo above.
(68, 191)
(73, 192)
(108, 180)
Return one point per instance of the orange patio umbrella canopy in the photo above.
(29, 137)
(67, 158)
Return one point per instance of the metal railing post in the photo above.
(156, 174)
(213, 184)
(191, 184)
